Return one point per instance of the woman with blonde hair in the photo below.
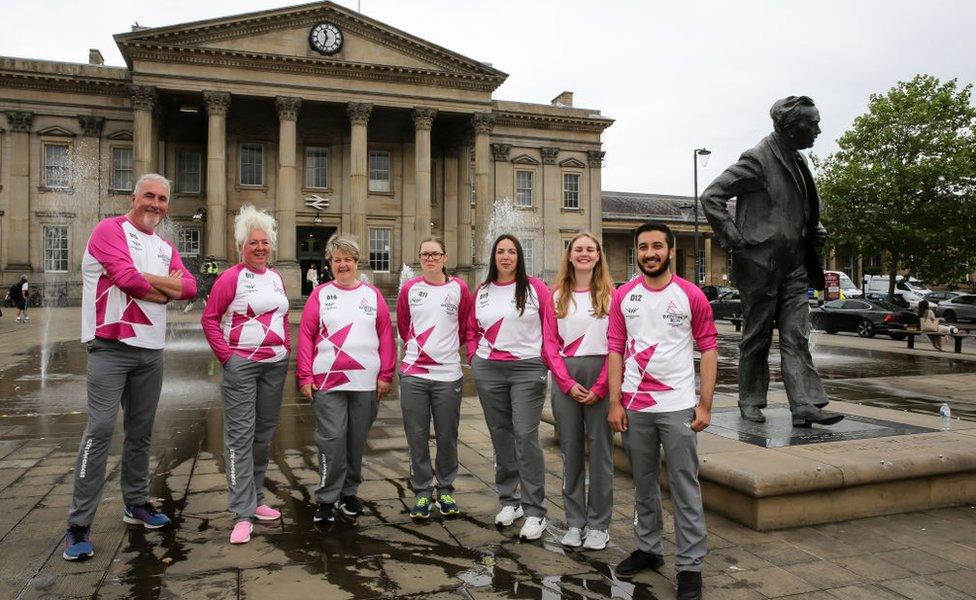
(246, 325)
(345, 363)
(581, 302)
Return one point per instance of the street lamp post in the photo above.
(701, 154)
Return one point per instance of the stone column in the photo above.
(709, 277)
(16, 222)
(287, 193)
(87, 176)
(451, 212)
(482, 123)
(552, 202)
(218, 103)
(358, 176)
(423, 120)
(594, 159)
(464, 211)
(143, 99)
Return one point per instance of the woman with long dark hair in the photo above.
(581, 303)
(514, 343)
(432, 318)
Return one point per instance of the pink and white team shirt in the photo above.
(247, 315)
(433, 320)
(345, 339)
(500, 333)
(583, 334)
(117, 255)
(654, 330)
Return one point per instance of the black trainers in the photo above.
(637, 562)
(689, 585)
(325, 512)
(350, 505)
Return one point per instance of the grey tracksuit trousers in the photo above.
(512, 394)
(581, 427)
(126, 376)
(251, 393)
(646, 433)
(421, 399)
(342, 421)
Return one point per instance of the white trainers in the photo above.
(596, 539)
(573, 537)
(507, 515)
(533, 528)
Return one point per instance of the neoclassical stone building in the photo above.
(331, 119)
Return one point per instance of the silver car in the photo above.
(960, 308)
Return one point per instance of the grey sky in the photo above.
(674, 75)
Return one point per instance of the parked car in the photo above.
(902, 299)
(713, 292)
(727, 306)
(863, 317)
(960, 308)
(912, 290)
(936, 297)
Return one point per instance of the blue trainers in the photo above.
(145, 515)
(447, 505)
(77, 543)
(421, 508)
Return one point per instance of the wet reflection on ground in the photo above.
(381, 554)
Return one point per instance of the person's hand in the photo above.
(591, 398)
(577, 392)
(617, 417)
(703, 418)
(306, 391)
(382, 388)
(820, 236)
(176, 274)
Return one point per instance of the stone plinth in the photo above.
(875, 462)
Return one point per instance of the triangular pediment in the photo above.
(280, 39)
(572, 162)
(55, 131)
(524, 159)
(124, 134)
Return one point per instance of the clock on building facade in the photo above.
(325, 38)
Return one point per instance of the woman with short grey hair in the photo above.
(246, 324)
(345, 364)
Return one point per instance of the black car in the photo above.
(727, 306)
(863, 317)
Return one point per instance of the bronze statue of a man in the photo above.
(775, 239)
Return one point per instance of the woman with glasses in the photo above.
(581, 302)
(432, 318)
(346, 357)
(515, 342)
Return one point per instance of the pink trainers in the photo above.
(242, 532)
(266, 513)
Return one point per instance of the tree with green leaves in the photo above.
(903, 182)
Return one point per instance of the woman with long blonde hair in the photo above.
(581, 302)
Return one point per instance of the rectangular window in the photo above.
(190, 178)
(700, 265)
(188, 242)
(528, 250)
(523, 188)
(56, 249)
(566, 242)
(122, 169)
(56, 166)
(316, 168)
(571, 191)
(631, 262)
(379, 250)
(379, 171)
(252, 164)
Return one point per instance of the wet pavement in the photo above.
(383, 554)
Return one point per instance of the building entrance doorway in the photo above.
(311, 246)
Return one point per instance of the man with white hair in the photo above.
(130, 273)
